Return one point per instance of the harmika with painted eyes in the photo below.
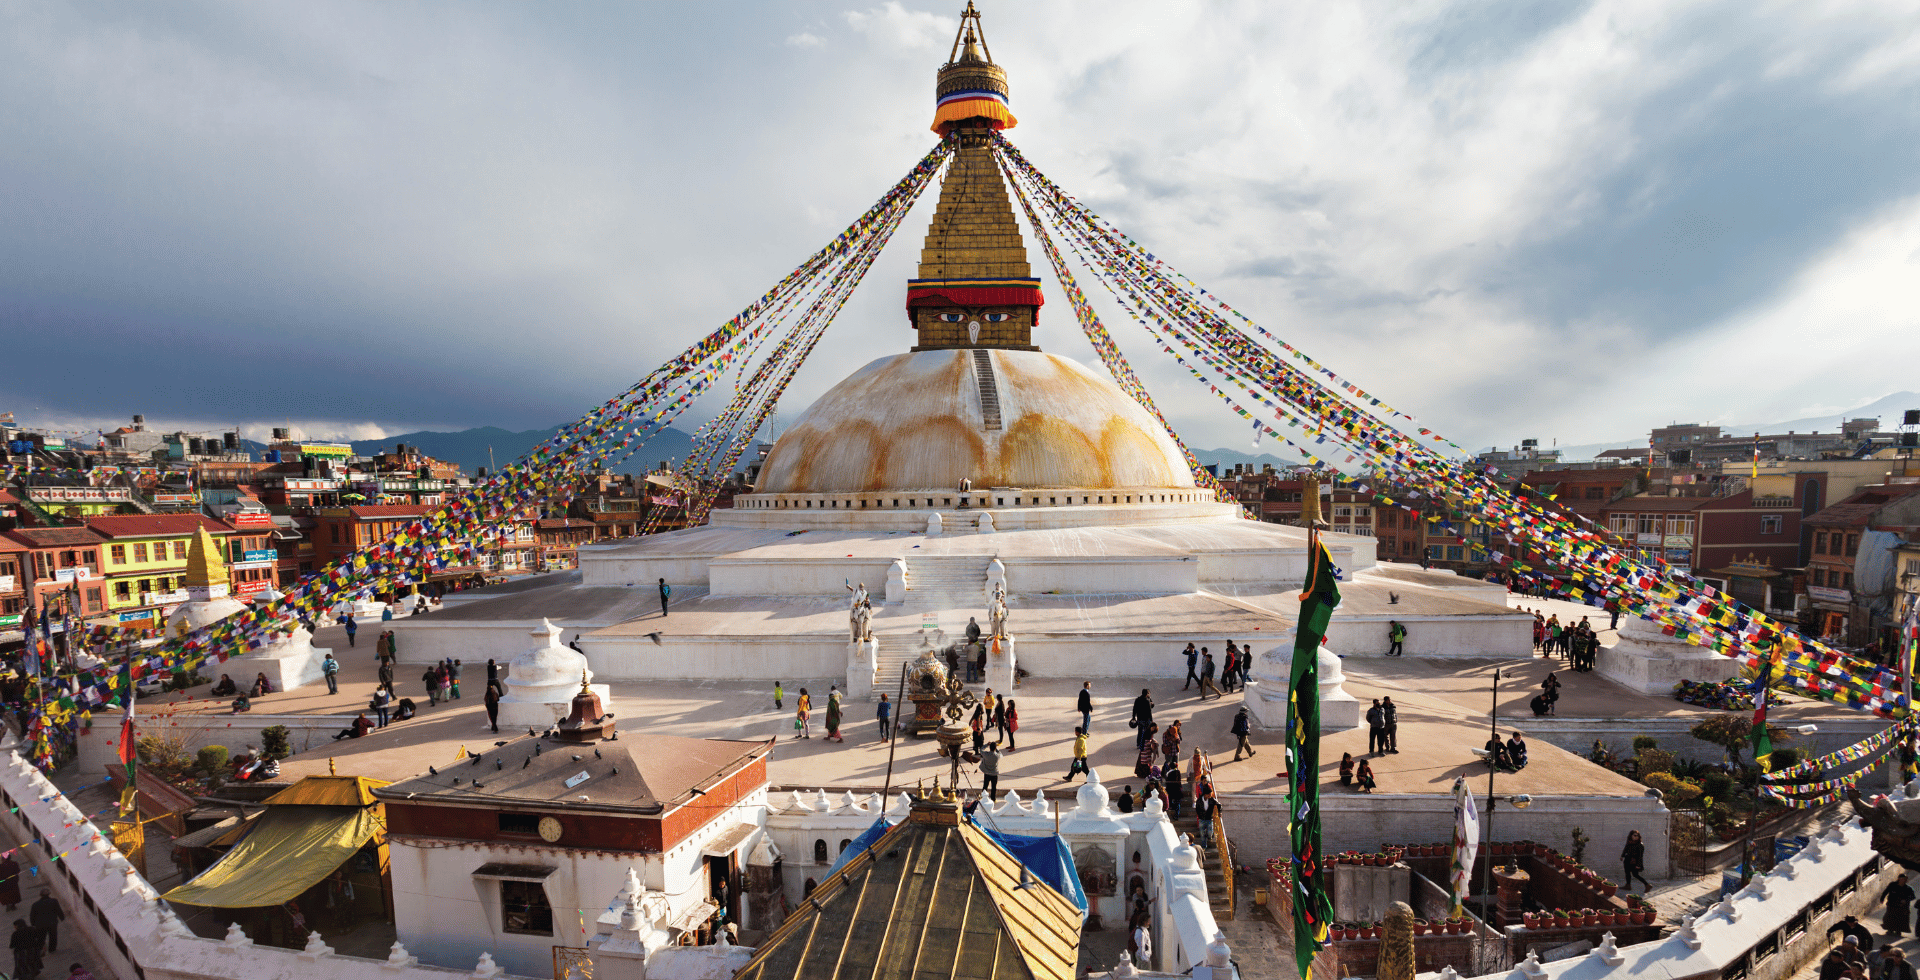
(973, 326)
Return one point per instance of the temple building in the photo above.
(973, 460)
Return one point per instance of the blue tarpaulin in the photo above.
(1047, 857)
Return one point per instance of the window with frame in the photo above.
(1853, 545)
(1649, 523)
(1680, 524)
(524, 910)
(1820, 577)
(1596, 493)
(179, 551)
(1454, 553)
(140, 552)
(1436, 552)
(1819, 542)
(93, 600)
(1849, 582)
(123, 590)
(119, 553)
(1771, 523)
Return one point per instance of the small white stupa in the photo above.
(292, 660)
(542, 681)
(208, 598)
(1272, 675)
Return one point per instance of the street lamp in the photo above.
(1519, 801)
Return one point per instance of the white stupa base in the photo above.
(1651, 662)
(1000, 666)
(519, 713)
(862, 656)
(1267, 700)
(288, 664)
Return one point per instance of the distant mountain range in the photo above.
(490, 447)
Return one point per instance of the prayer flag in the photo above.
(1466, 843)
(1312, 912)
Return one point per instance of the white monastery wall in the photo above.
(442, 912)
(1352, 821)
(139, 938)
(701, 658)
(1767, 930)
(797, 577)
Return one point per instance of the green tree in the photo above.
(1732, 733)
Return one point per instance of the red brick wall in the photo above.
(685, 820)
(598, 831)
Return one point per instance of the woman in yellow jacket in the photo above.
(805, 716)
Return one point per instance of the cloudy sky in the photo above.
(1554, 219)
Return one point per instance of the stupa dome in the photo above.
(548, 665)
(915, 422)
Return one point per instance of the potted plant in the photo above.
(1644, 915)
(1607, 918)
(1369, 930)
(1457, 925)
(1562, 918)
(1338, 933)
(1529, 919)
(1420, 926)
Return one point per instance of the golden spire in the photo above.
(205, 564)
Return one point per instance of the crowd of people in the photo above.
(1576, 643)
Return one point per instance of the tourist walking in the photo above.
(779, 697)
(1079, 763)
(9, 882)
(26, 951)
(1396, 638)
(386, 672)
(833, 714)
(666, 592)
(1142, 718)
(1085, 707)
(1204, 807)
(353, 629)
(989, 771)
(492, 700)
(382, 696)
(1241, 728)
(45, 916)
(453, 681)
(1390, 713)
(330, 669)
(1376, 728)
(1550, 690)
(1176, 791)
(884, 715)
(804, 718)
(380, 646)
(1206, 675)
(1193, 665)
(432, 682)
(1149, 754)
(1894, 965)
(393, 646)
(1229, 669)
(1013, 722)
(1634, 857)
(1000, 718)
(1170, 745)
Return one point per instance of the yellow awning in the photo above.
(290, 849)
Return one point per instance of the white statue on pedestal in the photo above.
(997, 613)
(860, 614)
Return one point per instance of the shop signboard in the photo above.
(78, 573)
(244, 589)
(136, 616)
(250, 518)
(1673, 541)
(1821, 593)
(10, 621)
(260, 554)
(1647, 540)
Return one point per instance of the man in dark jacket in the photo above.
(1376, 728)
(1086, 707)
(1241, 729)
(26, 950)
(666, 592)
(1142, 719)
(1390, 715)
(1193, 664)
(46, 916)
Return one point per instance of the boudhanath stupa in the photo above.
(972, 460)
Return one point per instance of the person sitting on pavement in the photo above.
(1497, 755)
(241, 705)
(358, 729)
(1517, 752)
(404, 710)
(224, 687)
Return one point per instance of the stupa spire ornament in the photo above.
(206, 571)
(975, 288)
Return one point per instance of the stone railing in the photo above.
(136, 934)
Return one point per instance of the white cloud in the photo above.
(805, 40)
(892, 29)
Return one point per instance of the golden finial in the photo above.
(332, 770)
(585, 688)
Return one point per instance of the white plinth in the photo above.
(862, 658)
(1000, 665)
(288, 664)
(1651, 662)
(1266, 694)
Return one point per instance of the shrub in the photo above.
(1690, 769)
(212, 760)
(1676, 791)
(1783, 758)
(1654, 760)
(276, 742)
(1641, 743)
(1717, 784)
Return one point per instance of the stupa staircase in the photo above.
(954, 585)
(1219, 880)
(989, 390)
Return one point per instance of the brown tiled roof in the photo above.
(1858, 509)
(660, 770)
(152, 525)
(562, 523)
(388, 510)
(1648, 503)
(55, 537)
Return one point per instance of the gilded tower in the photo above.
(975, 288)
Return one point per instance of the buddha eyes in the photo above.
(989, 317)
(996, 317)
(952, 317)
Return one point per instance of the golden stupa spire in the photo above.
(206, 567)
(975, 288)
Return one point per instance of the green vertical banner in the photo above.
(1311, 911)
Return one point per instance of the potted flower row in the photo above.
(1419, 850)
(1355, 930)
(1456, 926)
(1378, 859)
(1579, 918)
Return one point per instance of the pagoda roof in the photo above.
(933, 897)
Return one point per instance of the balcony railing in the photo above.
(1773, 500)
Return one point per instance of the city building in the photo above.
(1853, 540)
(1655, 529)
(143, 558)
(60, 564)
(560, 539)
(13, 583)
